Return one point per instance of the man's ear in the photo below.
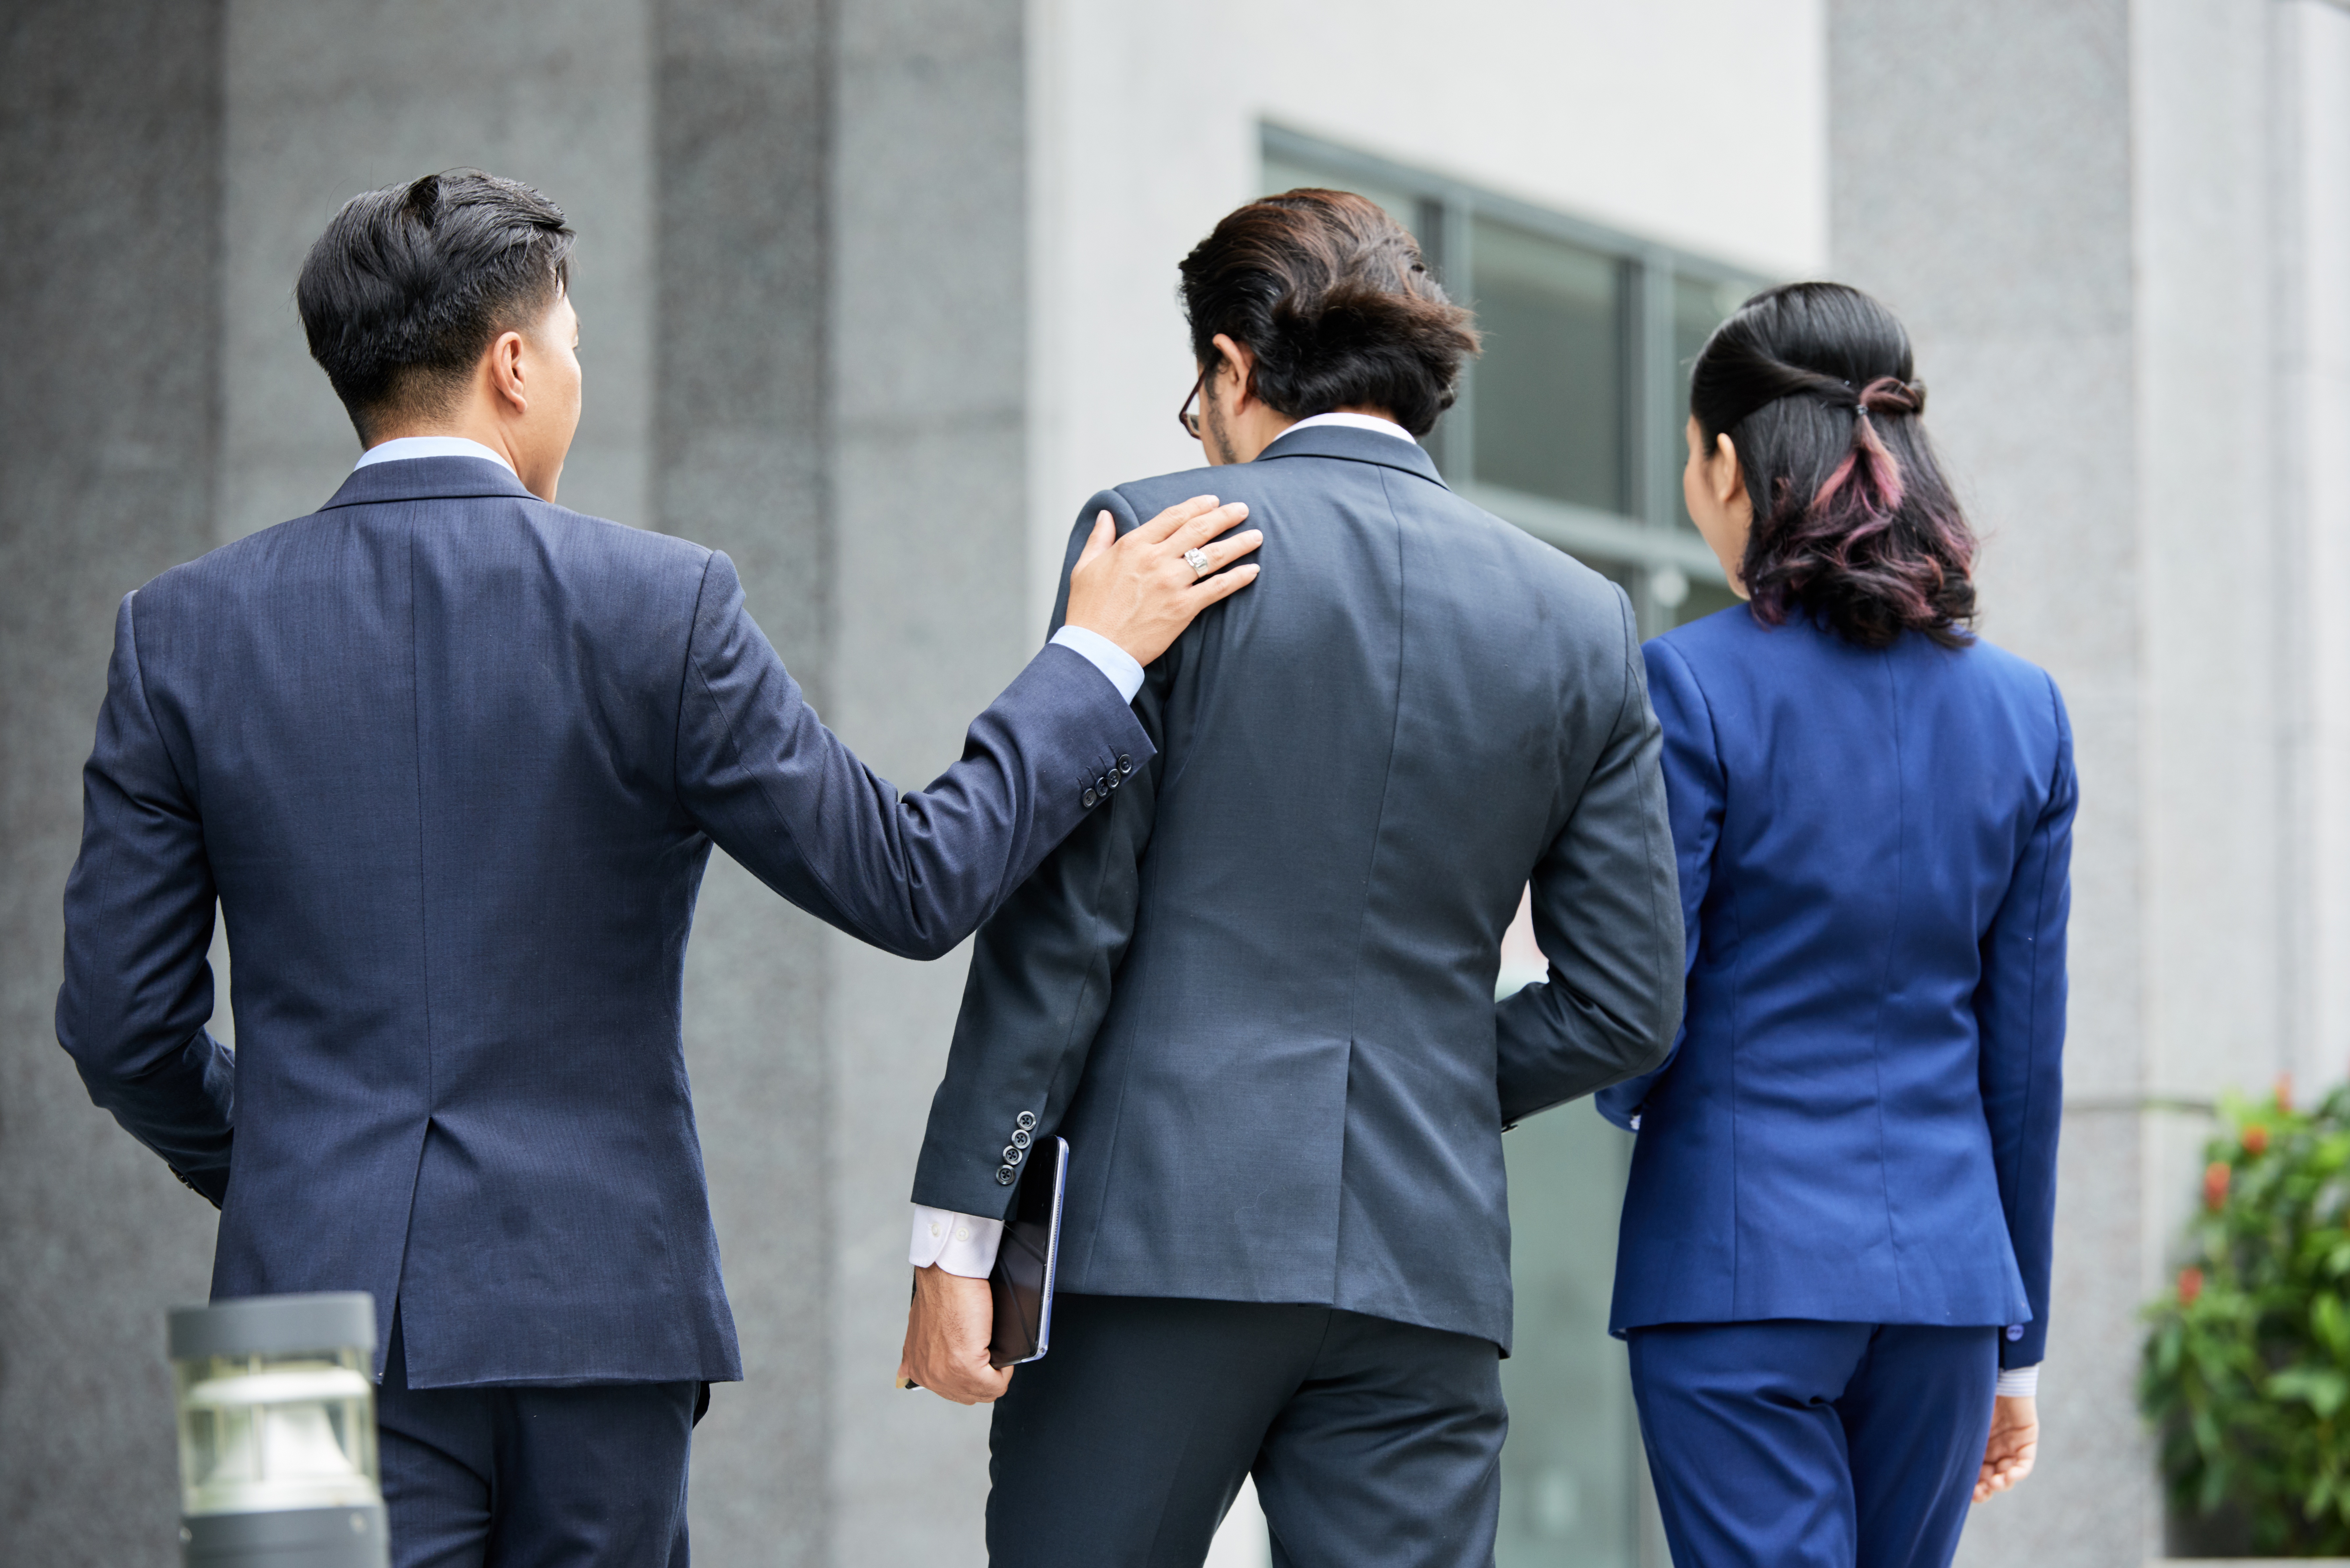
(1239, 363)
(503, 364)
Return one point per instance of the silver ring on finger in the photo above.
(1197, 559)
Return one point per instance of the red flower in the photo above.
(2256, 1139)
(2190, 1285)
(2215, 1184)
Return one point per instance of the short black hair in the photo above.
(1331, 295)
(410, 284)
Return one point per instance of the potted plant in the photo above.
(2247, 1367)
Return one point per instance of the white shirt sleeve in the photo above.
(960, 1243)
(1104, 656)
(2015, 1382)
(964, 1244)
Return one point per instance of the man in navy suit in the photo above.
(1271, 1038)
(452, 759)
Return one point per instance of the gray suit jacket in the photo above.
(1256, 995)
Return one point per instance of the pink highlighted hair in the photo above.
(1855, 525)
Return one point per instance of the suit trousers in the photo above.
(1795, 1444)
(534, 1476)
(1374, 1444)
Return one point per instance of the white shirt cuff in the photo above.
(2019, 1382)
(960, 1243)
(1104, 656)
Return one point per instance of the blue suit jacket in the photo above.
(452, 761)
(1257, 994)
(1859, 1123)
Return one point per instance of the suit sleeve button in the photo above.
(1020, 1138)
(1003, 1174)
(1090, 798)
(1013, 1156)
(1025, 1121)
(1125, 763)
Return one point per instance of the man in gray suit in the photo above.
(1257, 992)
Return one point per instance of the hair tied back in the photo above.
(1854, 524)
(1891, 395)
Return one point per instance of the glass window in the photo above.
(1570, 1480)
(1551, 413)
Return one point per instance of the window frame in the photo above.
(1648, 537)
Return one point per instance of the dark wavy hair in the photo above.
(410, 284)
(1331, 295)
(1854, 523)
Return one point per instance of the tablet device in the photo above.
(1021, 1280)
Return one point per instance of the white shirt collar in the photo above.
(1357, 422)
(402, 448)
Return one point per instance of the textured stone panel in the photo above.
(110, 190)
(741, 454)
(930, 326)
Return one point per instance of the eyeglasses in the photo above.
(1191, 420)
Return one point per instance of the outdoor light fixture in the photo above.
(278, 1454)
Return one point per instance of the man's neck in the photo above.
(481, 432)
(396, 449)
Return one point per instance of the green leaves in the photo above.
(2246, 1373)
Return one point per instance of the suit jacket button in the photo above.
(1090, 798)
(1125, 763)
(1102, 783)
(1114, 777)
(2014, 1331)
(1020, 1138)
(1014, 1155)
(1024, 1121)
(1003, 1174)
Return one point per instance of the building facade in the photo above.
(839, 256)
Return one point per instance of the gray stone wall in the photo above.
(1981, 168)
(109, 192)
(742, 443)
(2106, 226)
(799, 276)
(929, 370)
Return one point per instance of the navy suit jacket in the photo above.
(1859, 1122)
(1256, 995)
(452, 760)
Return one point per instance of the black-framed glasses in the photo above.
(1191, 420)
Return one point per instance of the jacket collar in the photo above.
(427, 479)
(1355, 446)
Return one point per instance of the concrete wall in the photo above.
(804, 326)
(2013, 272)
(741, 430)
(2116, 231)
(107, 420)
(929, 505)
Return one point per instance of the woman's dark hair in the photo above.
(1854, 522)
(1330, 294)
(410, 284)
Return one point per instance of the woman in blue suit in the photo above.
(1834, 1267)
